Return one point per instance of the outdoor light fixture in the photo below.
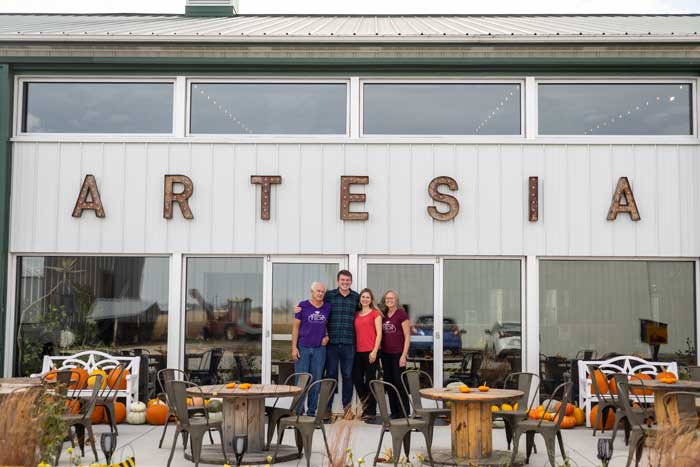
(108, 443)
(240, 446)
(605, 450)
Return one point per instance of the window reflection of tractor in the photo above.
(231, 321)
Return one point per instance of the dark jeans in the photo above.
(343, 355)
(392, 374)
(362, 373)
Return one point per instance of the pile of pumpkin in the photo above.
(156, 411)
(573, 416)
(607, 385)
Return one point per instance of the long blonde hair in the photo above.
(382, 302)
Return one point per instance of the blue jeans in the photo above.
(343, 354)
(312, 360)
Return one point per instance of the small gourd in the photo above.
(464, 389)
(484, 388)
(137, 414)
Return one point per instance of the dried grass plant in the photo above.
(677, 445)
(18, 427)
(339, 437)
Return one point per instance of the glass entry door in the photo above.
(415, 281)
(291, 282)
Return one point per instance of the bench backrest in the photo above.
(95, 360)
(626, 364)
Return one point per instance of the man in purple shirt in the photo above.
(309, 339)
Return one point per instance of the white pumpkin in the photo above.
(137, 415)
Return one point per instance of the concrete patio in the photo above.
(579, 442)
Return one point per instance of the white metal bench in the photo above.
(628, 365)
(94, 360)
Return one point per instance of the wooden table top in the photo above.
(255, 391)
(454, 394)
(656, 385)
(9, 385)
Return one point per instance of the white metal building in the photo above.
(490, 101)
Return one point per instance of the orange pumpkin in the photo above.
(549, 416)
(72, 407)
(601, 381)
(569, 421)
(114, 375)
(668, 380)
(580, 416)
(612, 386)
(608, 423)
(464, 389)
(665, 374)
(157, 414)
(153, 402)
(98, 414)
(536, 413)
(119, 413)
(640, 377)
(82, 378)
(569, 408)
(194, 402)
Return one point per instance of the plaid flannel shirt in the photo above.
(341, 323)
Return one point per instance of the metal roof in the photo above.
(350, 28)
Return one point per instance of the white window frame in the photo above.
(174, 308)
(21, 80)
(474, 138)
(234, 137)
(621, 139)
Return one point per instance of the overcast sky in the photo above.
(361, 6)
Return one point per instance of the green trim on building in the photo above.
(5, 171)
(209, 10)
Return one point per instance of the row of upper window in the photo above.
(388, 108)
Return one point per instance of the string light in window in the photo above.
(500, 106)
(658, 100)
(224, 110)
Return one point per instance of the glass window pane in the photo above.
(441, 109)
(268, 108)
(291, 283)
(223, 316)
(615, 109)
(482, 310)
(98, 108)
(65, 305)
(597, 306)
(414, 285)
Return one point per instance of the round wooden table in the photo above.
(660, 389)
(471, 425)
(244, 413)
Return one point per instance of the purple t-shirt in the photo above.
(392, 332)
(313, 323)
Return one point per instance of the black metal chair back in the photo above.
(177, 393)
(114, 382)
(170, 374)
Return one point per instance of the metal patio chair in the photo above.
(194, 426)
(173, 374)
(208, 370)
(550, 430)
(522, 382)
(411, 381)
(305, 425)
(275, 414)
(625, 406)
(79, 415)
(640, 431)
(399, 428)
(606, 401)
(108, 395)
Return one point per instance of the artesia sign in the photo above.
(178, 189)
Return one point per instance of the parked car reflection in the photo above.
(422, 339)
(503, 339)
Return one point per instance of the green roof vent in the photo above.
(211, 8)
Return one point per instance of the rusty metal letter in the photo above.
(265, 182)
(181, 198)
(623, 189)
(89, 198)
(533, 199)
(346, 198)
(450, 200)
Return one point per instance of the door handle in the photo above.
(437, 335)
